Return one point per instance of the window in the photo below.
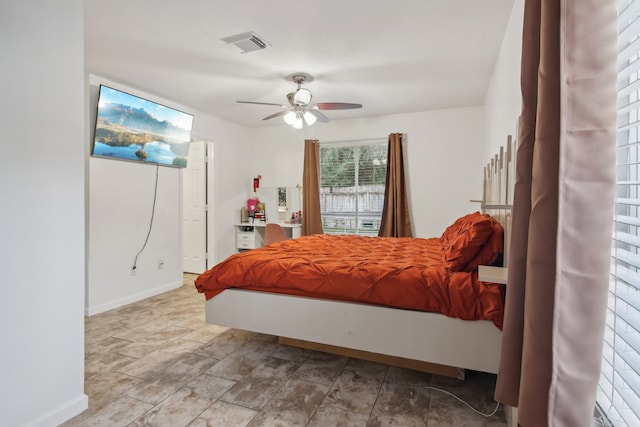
(352, 182)
(619, 388)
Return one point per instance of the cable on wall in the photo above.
(153, 211)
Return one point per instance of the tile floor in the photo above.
(157, 363)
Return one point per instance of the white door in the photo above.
(194, 203)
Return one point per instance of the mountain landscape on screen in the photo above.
(132, 128)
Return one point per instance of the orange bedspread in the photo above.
(397, 272)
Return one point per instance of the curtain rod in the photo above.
(356, 141)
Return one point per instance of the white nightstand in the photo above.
(246, 237)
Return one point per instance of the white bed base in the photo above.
(415, 335)
(406, 334)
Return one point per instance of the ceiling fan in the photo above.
(300, 108)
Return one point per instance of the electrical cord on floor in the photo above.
(459, 399)
(597, 420)
(153, 212)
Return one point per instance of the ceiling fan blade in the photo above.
(278, 114)
(260, 103)
(321, 117)
(336, 106)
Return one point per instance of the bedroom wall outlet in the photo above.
(160, 264)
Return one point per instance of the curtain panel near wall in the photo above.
(396, 221)
(311, 216)
(563, 204)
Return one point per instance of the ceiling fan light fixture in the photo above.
(290, 118)
(300, 110)
(309, 118)
(302, 97)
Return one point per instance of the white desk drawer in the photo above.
(246, 237)
(246, 245)
(246, 240)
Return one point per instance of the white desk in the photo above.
(251, 235)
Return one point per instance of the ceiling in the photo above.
(392, 57)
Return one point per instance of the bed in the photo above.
(341, 294)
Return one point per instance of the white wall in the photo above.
(442, 150)
(503, 99)
(121, 197)
(42, 227)
(121, 202)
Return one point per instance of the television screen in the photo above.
(132, 128)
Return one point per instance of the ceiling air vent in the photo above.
(247, 42)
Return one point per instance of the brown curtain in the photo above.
(311, 218)
(395, 221)
(562, 213)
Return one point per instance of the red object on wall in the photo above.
(256, 183)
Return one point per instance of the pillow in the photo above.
(462, 240)
(452, 231)
(491, 250)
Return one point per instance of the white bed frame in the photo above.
(399, 337)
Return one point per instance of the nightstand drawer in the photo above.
(242, 244)
(246, 237)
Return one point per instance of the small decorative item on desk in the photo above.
(296, 217)
(252, 207)
(261, 213)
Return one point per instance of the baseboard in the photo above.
(97, 309)
(64, 413)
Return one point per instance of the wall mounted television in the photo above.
(135, 129)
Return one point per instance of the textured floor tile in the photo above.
(476, 390)
(408, 377)
(105, 362)
(401, 405)
(242, 361)
(368, 369)
(453, 415)
(257, 388)
(135, 310)
(226, 343)
(354, 391)
(498, 420)
(101, 332)
(293, 405)
(161, 384)
(178, 315)
(102, 319)
(105, 345)
(202, 332)
(295, 354)
(224, 414)
(183, 406)
(195, 321)
(158, 360)
(155, 342)
(322, 368)
(337, 417)
(104, 387)
(141, 329)
(119, 412)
